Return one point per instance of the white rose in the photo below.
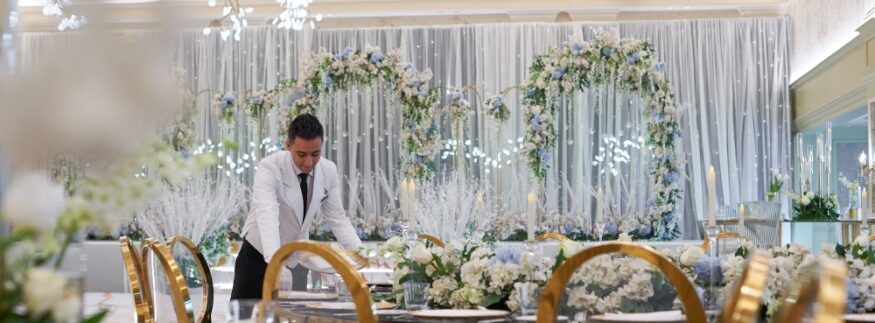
(33, 201)
(804, 200)
(862, 240)
(66, 310)
(42, 288)
(624, 237)
(570, 247)
(421, 254)
(691, 256)
(395, 244)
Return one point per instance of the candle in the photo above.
(741, 218)
(412, 204)
(712, 197)
(479, 210)
(530, 215)
(405, 198)
(800, 154)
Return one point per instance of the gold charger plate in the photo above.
(455, 314)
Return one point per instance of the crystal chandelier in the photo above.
(56, 8)
(232, 22)
(295, 15)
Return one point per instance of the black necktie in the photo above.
(303, 180)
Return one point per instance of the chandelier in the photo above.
(56, 8)
(233, 19)
(295, 15)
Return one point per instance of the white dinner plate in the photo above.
(859, 318)
(653, 317)
(459, 314)
(534, 318)
(306, 296)
(348, 306)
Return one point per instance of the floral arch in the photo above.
(630, 65)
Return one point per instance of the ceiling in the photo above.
(376, 13)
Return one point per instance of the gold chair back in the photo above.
(744, 305)
(722, 235)
(131, 260)
(178, 289)
(435, 240)
(354, 281)
(551, 235)
(556, 284)
(871, 237)
(205, 315)
(823, 284)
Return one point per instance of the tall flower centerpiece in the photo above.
(631, 65)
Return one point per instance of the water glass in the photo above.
(249, 310)
(416, 295)
(530, 294)
(343, 293)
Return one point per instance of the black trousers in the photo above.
(249, 274)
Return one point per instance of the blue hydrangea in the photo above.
(645, 230)
(408, 66)
(608, 51)
(852, 293)
(258, 100)
(361, 233)
(507, 254)
(704, 267)
(376, 58)
(415, 84)
(497, 101)
(328, 80)
(576, 48)
(421, 94)
(185, 154)
(558, 73)
(227, 100)
(568, 227)
(536, 123)
(530, 92)
(612, 229)
(660, 66)
(344, 54)
(296, 95)
(673, 176)
(633, 58)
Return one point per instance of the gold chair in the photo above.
(178, 289)
(552, 235)
(205, 315)
(825, 285)
(435, 240)
(744, 305)
(722, 235)
(136, 279)
(556, 284)
(357, 287)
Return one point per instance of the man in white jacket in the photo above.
(289, 187)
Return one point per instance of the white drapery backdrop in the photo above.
(730, 75)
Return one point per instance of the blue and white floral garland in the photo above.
(420, 136)
(631, 65)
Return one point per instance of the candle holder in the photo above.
(409, 236)
(600, 229)
(711, 306)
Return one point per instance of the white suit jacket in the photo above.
(276, 212)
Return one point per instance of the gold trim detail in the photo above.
(131, 259)
(722, 235)
(552, 235)
(435, 240)
(556, 284)
(824, 285)
(204, 269)
(744, 305)
(178, 288)
(355, 283)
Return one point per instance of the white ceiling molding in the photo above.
(370, 13)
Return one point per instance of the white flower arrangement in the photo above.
(457, 106)
(496, 108)
(632, 64)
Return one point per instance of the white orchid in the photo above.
(33, 201)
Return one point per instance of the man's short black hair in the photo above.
(305, 126)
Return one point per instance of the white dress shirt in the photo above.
(276, 214)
